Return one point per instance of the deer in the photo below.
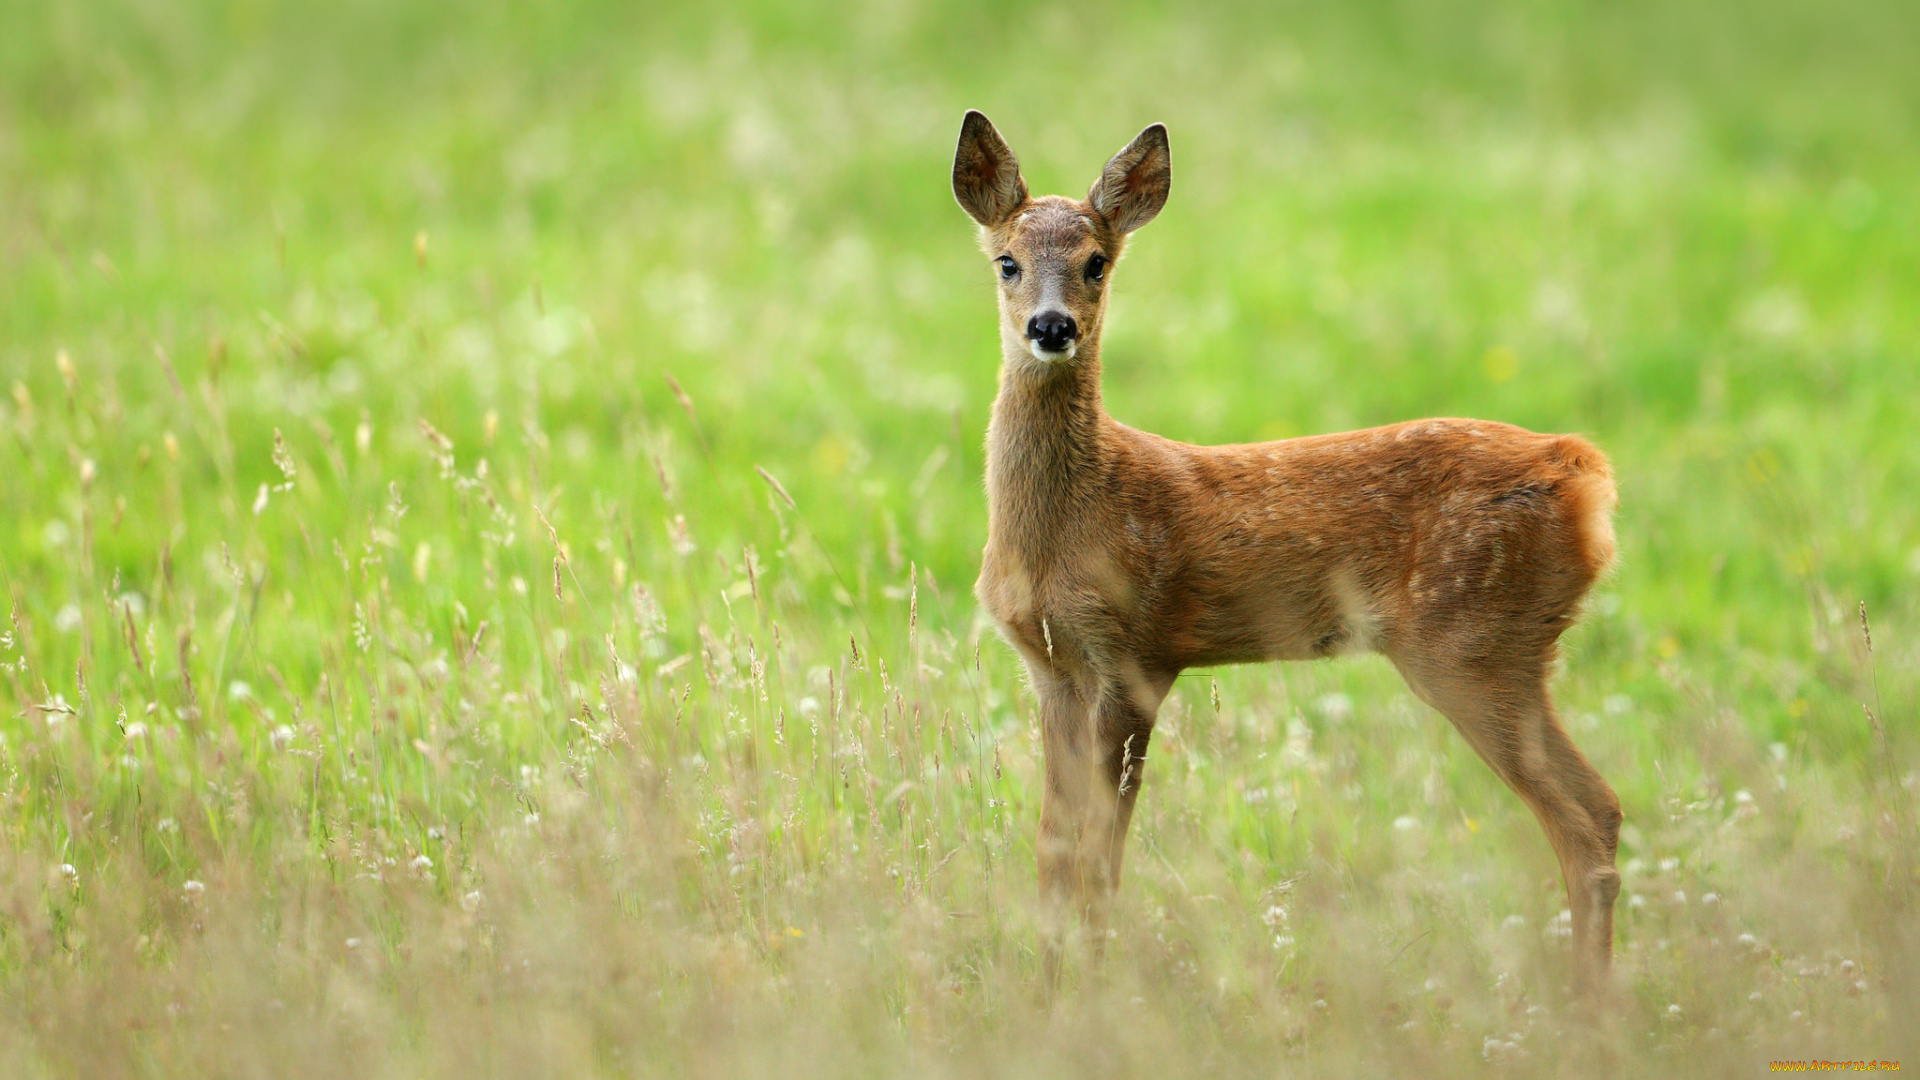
(1116, 559)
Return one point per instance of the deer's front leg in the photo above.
(1094, 767)
(1067, 742)
(1123, 723)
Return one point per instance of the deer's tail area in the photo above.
(1591, 499)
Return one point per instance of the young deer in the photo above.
(1460, 549)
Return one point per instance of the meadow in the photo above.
(489, 499)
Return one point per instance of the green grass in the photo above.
(518, 725)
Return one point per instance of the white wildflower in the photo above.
(1334, 707)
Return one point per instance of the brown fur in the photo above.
(1460, 549)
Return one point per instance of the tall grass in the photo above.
(491, 499)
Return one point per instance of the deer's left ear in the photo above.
(1134, 185)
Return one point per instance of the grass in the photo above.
(491, 498)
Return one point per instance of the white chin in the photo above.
(1048, 356)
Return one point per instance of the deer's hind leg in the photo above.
(1509, 719)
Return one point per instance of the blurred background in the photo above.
(277, 278)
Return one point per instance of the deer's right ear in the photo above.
(986, 176)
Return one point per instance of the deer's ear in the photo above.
(1134, 185)
(986, 175)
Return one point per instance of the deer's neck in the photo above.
(1046, 451)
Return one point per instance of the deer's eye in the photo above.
(1096, 268)
(1008, 268)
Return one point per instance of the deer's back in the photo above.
(1462, 534)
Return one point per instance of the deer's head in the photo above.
(1052, 255)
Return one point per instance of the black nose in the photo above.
(1052, 330)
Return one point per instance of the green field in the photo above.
(489, 499)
